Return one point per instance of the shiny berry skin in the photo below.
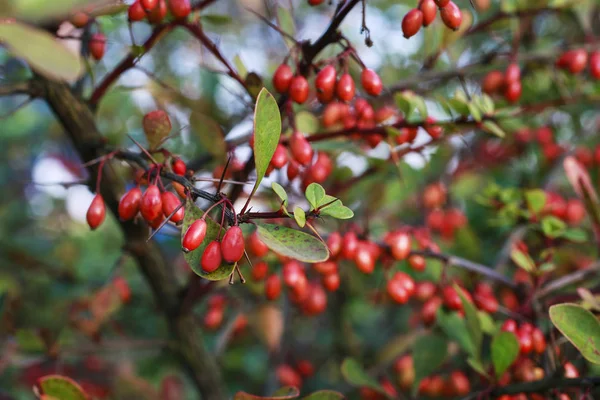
(232, 244)
(256, 246)
(331, 282)
(180, 8)
(570, 370)
(510, 325)
(149, 4)
(493, 82)
(325, 84)
(451, 298)
(96, 212)
(194, 236)
(575, 212)
(151, 203)
(136, 12)
(97, 46)
(371, 82)
(316, 301)
(417, 263)
(349, 245)
(576, 60)
(293, 273)
(272, 287)
(442, 3)
(169, 203)
(334, 243)
(412, 22)
(512, 93)
(79, 19)
(451, 15)
(298, 89)
(400, 245)
(211, 258)
(429, 10)
(345, 88)
(434, 195)
(154, 224)
(260, 271)
(157, 14)
(300, 148)
(179, 167)
(293, 169)
(397, 291)
(326, 267)
(282, 78)
(512, 74)
(460, 383)
(280, 157)
(129, 205)
(525, 341)
(538, 340)
(365, 262)
(595, 64)
(425, 290)
(429, 310)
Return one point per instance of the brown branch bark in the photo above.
(78, 122)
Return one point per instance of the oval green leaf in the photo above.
(61, 387)
(338, 210)
(580, 327)
(287, 392)
(267, 130)
(314, 194)
(192, 213)
(455, 328)
(431, 352)
(355, 375)
(41, 50)
(292, 243)
(300, 216)
(280, 192)
(504, 351)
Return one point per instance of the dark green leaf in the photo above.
(473, 325)
(192, 213)
(504, 351)
(430, 353)
(293, 243)
(455, 328)
(580, 327)
(356, 376)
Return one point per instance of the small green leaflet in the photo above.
(355, 375)
(280, 192)
(61, 387)
(300, 216)
(314, 194)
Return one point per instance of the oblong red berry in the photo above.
(129, 205)
(299, 89)
(442, 3)
(371, 82)
(272, 287)
(280, 157)
(211, 258)
(578, 61)
(512, 74)
(97, 45)
(595, 64)
(345, 88)
(157, 14)
(451, 15)
(282, 78)
(232, 244)
(96, 212)
(149, 4)
(492, 82)
(151, 204)
(169, 203)
(325, 84)
(136, 12)
(300, 148)
(180, 8)
(429, 10)
(512, 93)
(194, 236)
(257, 246)
(179, 167)
(412, 22)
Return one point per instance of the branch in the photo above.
(567, 280)
(17, 88)
(547, 384)
(484, 25)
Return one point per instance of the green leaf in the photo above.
(41, 50)
(325, 395)
(504, 351)
(522, 260)
(486, 322)
(299, 216)
(474, 111)
(314, 194)
(536, 200)
(267, 129)
(580, 327)
(552, 226)
(337, 210)
(42, 10)
(493, 128)
(307, 122)
(477, 366)
(327, 201)
(430, 353)
(61, 387)
(459, 105)
(472, 319)
(286, 23)
(284, 393)
(575, 235)
(239, 66)
(209, 134)
(216, 19)
(356, 376)
(455, 328)
(192, 213)
(293, 243)
(280, 192)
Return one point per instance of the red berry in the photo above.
(211, 258)
(397, 291)
(345, 87)
(194, 236)
(442, 3)
(510, 325)
(525, 341)
(213, 318)
(492, 82)
(316, 301)
(287, 376)
(412, 22)
(151, 204)
(349, 245)
(157, 14)
(334, 243)
(451, 298)
(136, 12)
(149, 4)
(97, 45)
(429, 310)
(305, 368)
(130, 204)
(293, 169)
(325, 84)
(451, 15)
(273, 287)
(365, 262)
(512, 93)
(122, 287)
(96, 212)
(232, 245)
(512, 74)
(417, 263)
(435, 131)
(575, 212)
(179, 167)
(257, 246)
(371, 82)
(280, 157)
(429, 10)
(169, 203)
(80, 19)
(538, 340)
(400, 245)
(595, 64)
(460, 383)
(260, 271)
(577, 60)
(425, 290)
(293, 273)
(180, 8)
(299, 89)
(282, 78)
(331, 282)
(434, 195)
(300, 148)
(486, 302)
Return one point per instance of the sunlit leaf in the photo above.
(580, 327)
(60, 387)
(299, 216)
(314, 194)
(293, 243)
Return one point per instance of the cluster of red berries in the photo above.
(425, 13)
(572, 211)
(507, 83)
(576, 60)
(156, 10)
(97, 42)
(215, 315)
(229, 249)
(289, 375)
(327, 85)
(447, 221)
(153, 205)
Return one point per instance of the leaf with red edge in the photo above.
(582, 184)
(287, 392)
(60, 387)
